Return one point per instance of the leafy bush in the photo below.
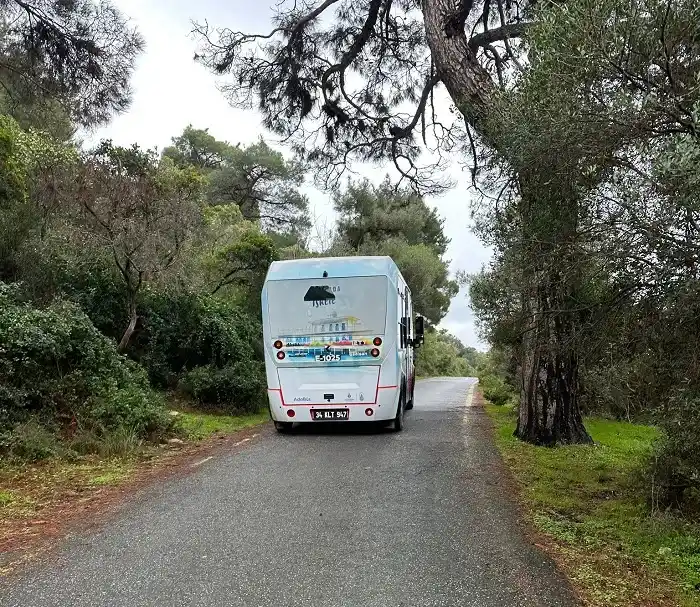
(57, 369)
(495, 389)
(31, 441)
(182, 331)
(676, 471)
(235, 388)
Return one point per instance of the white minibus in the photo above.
(340, 336)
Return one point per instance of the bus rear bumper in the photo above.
(383, 409)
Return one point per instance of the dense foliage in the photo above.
(57, 368)
(614, 97)
(442, 354)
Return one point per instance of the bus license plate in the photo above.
(326, 415)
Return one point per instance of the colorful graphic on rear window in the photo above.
(328, 348)
(340, 311)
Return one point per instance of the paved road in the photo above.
(321, 519)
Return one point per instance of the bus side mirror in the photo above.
(420, 331)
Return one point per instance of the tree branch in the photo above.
(510, 30)
(356, 47)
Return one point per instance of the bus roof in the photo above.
(337, 267)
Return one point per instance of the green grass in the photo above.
(197, 426)
(111, 472)
(592, 501)
(7, 498)
(14, 504)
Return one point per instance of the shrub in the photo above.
(676, 471)
(58, 369)
(495, 389)
(235, 388)
(32, 441)
(183, 331)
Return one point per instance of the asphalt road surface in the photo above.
(337, 517)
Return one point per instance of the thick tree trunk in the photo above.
(549, 410)
(133, 319)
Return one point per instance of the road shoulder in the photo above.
(577, 506)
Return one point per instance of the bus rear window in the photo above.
(328, 306)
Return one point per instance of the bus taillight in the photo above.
(374, 352)
(278, 344)
(280, 355)
(377, 341)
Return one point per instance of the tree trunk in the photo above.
(467, 82)
(133, 319)
(549, 410)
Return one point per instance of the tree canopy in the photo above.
(255, 178)
(79, 54)
(347, 81)
(383, 220)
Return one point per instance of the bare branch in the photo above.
(488, 37)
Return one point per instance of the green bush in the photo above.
(57, 369)
(183, 331)
(495, 389)
(235, 388)
(31, 441)
(676, 468)
(177, 330)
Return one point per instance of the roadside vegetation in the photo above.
(591, 505)
(444, 355)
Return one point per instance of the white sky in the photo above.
(172, 91)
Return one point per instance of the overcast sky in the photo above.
(172, 91)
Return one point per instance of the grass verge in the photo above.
(590, 504)
(197, 426)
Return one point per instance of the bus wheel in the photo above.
(283, 427)
(397, 424)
